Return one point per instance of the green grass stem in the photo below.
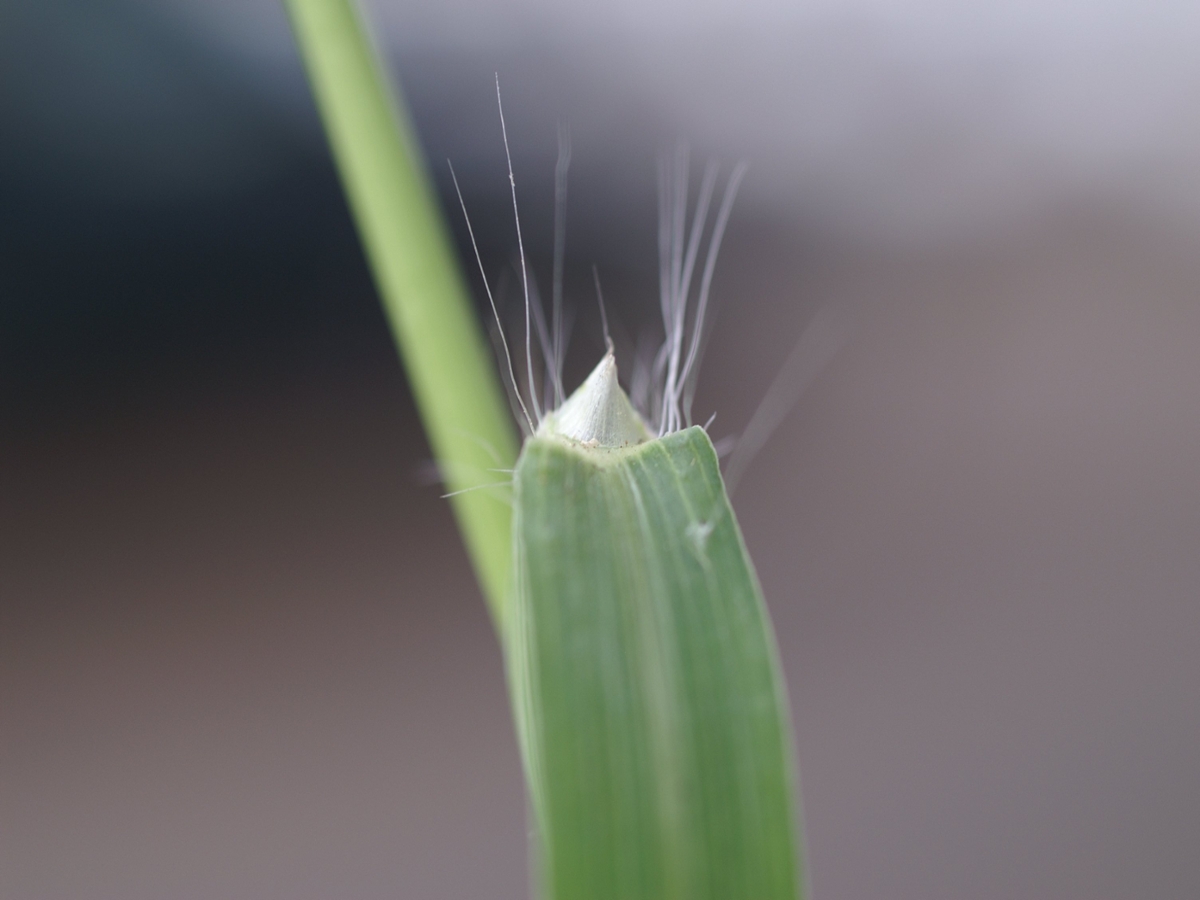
(416, 271)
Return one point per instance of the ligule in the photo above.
(647, 690)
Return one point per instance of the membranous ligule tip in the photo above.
(599, 413)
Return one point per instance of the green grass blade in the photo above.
(648, 693)
(417, 274)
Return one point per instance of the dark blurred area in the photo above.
(241, 653)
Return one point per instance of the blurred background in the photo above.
(241, 653)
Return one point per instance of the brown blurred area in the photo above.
(241, 650)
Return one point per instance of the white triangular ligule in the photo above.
(598, 413)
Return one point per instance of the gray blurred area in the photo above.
(241, 651)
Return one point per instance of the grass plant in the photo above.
(642, 668)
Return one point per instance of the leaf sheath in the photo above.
(648, 693)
